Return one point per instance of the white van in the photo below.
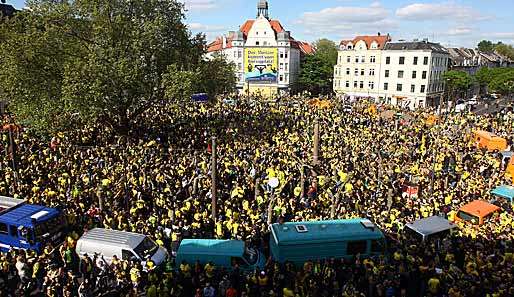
(123, 245)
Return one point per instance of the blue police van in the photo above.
(28, 226)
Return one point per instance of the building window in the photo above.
(372, 59)
(286, 77)
(239, 54)
(285, 55)
(387, 73)
(347, 84)
(412, 88)
(386, 86)
(281, 55)
(281, 77)
(402, 60)
(372, 72)
(348, 59)
(256, 43)
(265, 43)
(356, 59)
(356, 72)
(281, 66)
(415, 61)
(362, 72)
(425, 61)
(422, 90)
(400, 73)
(240, 66)
(355, 83)
(424, 75)
(363, 59)
(371, 85)
(413, 74)
(399, 87)
(286, 66)
(361, 85)
(388, 60)
(347, 71)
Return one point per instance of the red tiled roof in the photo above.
(380, 40)
(247, 26)
(304, 47)
(217, 44)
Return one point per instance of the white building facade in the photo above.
(403, 73)
(266, 57)
(357, 72)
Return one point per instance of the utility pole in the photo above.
(302, 181)
(213, 179)
(12, 144)
(315, 152)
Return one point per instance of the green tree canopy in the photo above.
(100, 60)
(502, 81)
(506, 50)
(317, 70)
(458, 80)
(485, 46)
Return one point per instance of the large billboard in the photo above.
(260, 64)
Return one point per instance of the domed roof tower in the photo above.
(262, 8)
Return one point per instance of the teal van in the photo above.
(222, 253)
(300, 242)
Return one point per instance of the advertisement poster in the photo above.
(260, 64)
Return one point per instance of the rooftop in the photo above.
(479, 208)
(113, 236)
(431, 225)
(322, 231)
(212, 246)
(21, 216)
(506, 192)
(7, 10)
(415, 46)
(381, 40)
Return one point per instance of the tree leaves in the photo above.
(317, 70)
(104, 61)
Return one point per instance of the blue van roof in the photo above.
(506, 192)
(21, 216)
(211, 247)
(324, 231)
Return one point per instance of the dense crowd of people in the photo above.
(158, 183)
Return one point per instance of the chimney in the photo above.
(378, 33)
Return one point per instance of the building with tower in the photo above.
(266, 56)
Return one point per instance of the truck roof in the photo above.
(504, 191)
(7, 203)
(23, 215)
(292, 233)
(233, 248)
(114, 237)
(479, 208)
(431, 225)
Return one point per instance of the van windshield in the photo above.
(250, 255)
(146, 248)
(468, 217)
(48, 228)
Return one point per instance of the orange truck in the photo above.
(476, 212)
(489, 141)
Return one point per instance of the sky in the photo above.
(453, 23)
